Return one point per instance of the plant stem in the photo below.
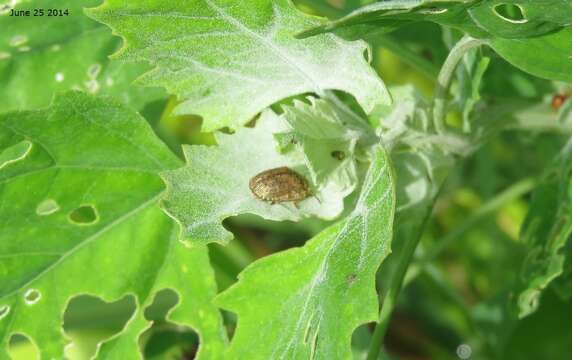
(513, 192)
(446, 76)
(395, 286)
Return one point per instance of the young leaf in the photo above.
(82, 182)
(331, 137)
(62, 53)
(214, 184)
(546, 233)
(228, 61)
(422, 158)
(306, 302)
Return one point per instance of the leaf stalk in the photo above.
(395, 286)
(445, 77)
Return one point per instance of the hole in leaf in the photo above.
(510, 12)
(168, 341)
(89, 320)
(229, 320)
(47, 207)
(84, 215)
(32, 296)
(4, 311)
(165, 340)
(20, 347)
(164, 301)
(361, 339)
(15, 153)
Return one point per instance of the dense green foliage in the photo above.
(432, 136)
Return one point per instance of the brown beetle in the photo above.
(279, 185)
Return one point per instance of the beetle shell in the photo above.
(279, 185)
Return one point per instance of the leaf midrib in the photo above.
(236, 23)
(87, 241)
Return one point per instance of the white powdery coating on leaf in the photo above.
(215, 183)
(228, 65)
(301, 291)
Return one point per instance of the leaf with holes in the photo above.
(62, 53)
(215, 183)
(513, 28)
(306, 302)
(481, 19)
(390, 15)
(79, 188)
(227, 61)
(521, 18)
(547, 232)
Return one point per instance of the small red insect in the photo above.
(559, 100)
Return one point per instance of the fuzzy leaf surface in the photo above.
(214, 184)
(87, 153)
(304, 303)
(228, 60)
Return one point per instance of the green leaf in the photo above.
(535, 37)
(214, 184)
(422, 157)
(393, 14)
(83, 219)
(548, 56)
(546, 233)
(331, 137)
(481, 19)
(521, 18)
(62, 53)
(229, 61)
(467, 92)
(305, 303)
